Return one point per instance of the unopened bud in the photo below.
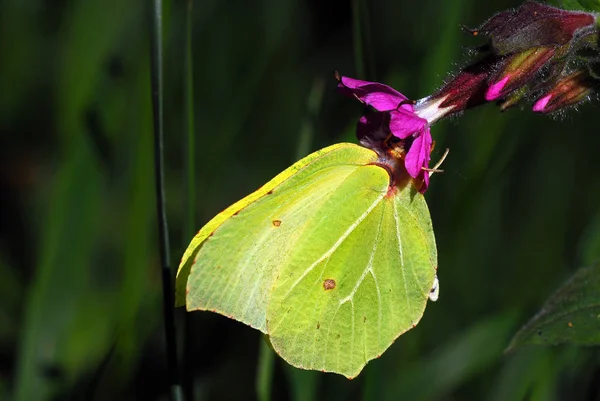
(517, 70)
(533, 25)
(567, 91)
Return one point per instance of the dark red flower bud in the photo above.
(467, 89)
(567, 91)
(533, 25)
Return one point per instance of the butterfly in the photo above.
(332, 259)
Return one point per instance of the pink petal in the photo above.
(404, 123)
(495, 90)
(425, 182)
(541, 104)
(379, 96)
(418, 154)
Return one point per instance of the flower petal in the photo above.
(425, 182)
(379, 96)
(418, 154)
(404, 123)
(495, 90)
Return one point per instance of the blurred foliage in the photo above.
(589, 5)
(571, 315)
(80, 319)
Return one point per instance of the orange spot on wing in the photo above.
(329, 284)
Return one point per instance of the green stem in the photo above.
(189, 155)
(368, 42)
(189, 151)
(359, 58)
(303, 383)
(157, 105)
(264, 378)
(307, 130)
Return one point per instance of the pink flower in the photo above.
(396, 115)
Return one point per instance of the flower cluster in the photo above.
(535, 52)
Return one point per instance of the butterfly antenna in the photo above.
(435, 168)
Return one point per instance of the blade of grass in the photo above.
(138, 297)
(55, 297)
(359, 58)
(441, 54)
(189, 143)
(190, 179)
(368, 41)
(264, 377)
(303, 383)
(157, 105)
(307, 131)
(371, 388)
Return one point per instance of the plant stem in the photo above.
(189, 150)
(313, 105)
(157, 105)
(359, 58)
(264, 378)
(190, 180)
(368, 42)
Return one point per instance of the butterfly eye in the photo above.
(434, 293)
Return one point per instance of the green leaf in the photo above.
(571, 315)
(325, 259)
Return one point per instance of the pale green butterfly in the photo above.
(333, 259)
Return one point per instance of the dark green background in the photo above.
(516, 212)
